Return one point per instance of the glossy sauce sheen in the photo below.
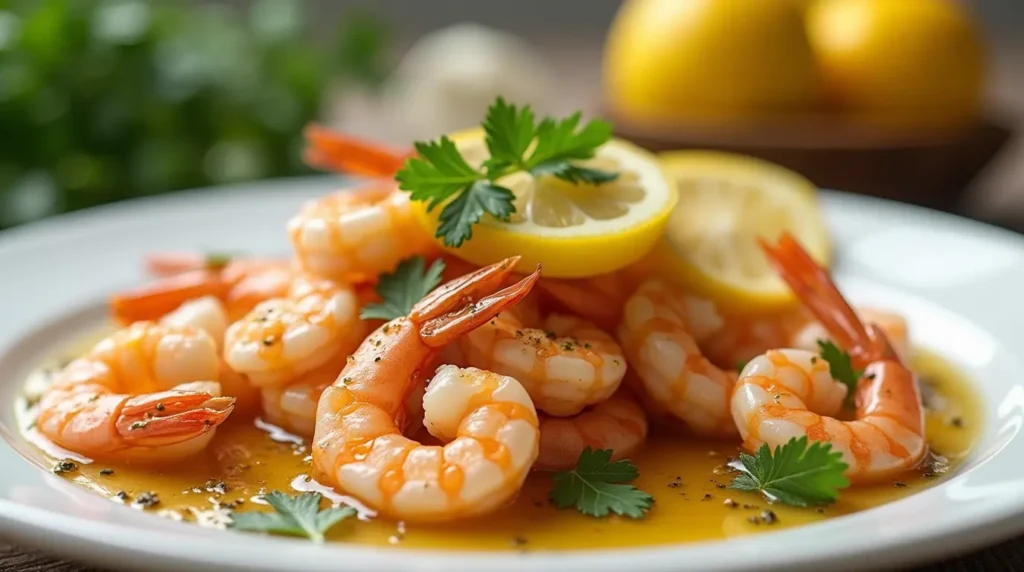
(686, 476)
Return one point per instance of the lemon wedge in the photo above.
(572, 231)
(726, 202)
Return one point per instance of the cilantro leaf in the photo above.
(796, 474)
(508, 133)
(294, 516)
(840, 367)
(438, 173)
(402, 289)
(594, 487)
(458, 217)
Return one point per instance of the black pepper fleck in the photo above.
(121, 495)
(147, 500)
(160, 407)
(768, 517)
(707, 497)
(676, 483)
(518, 541)
(376, 359)
(819, 510)
(753, 520)
(107, 472)
(268, 341)
(899, 484)
(64, 466)
(730, 503)
(957, 422)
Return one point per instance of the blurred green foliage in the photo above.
(103, 100)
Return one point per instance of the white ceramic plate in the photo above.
(958, 282)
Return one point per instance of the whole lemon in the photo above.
(911, 62)
(708, 60)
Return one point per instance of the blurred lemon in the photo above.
(708, 59)
(916, 62)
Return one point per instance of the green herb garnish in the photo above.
(595, 487)
(515, 142)
(401, 290)
(796, 473)
(840, 367)
(294, 516)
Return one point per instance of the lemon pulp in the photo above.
(726, 203)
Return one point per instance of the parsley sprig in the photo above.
(596, 487)
(401, 290)
(516, 142)
(840, 367)
(293, 516)
(796, 473)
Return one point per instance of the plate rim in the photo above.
(31, 529)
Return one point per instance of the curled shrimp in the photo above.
(786, 394)
(355, 235)
(149, 392)
(488, 419)
(658, 332)
(566, 364)
(209, 314)
(618, 424)
(284, 338)
(239, 284)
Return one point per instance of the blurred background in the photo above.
(104, 100)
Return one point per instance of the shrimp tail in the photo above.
(816, 290)
(169, 417)
(150, 302)
(336, 152)
(454, 309)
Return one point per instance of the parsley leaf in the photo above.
(594, 488)
(294, 516)
(508, 133)
(796, 474)
(458, 216)
(217, 260)
(440, 172)
(840, 367)
(401, 290)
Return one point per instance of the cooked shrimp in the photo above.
(658, 332)
(208, 314)
(488, 419)
(148, 392)
(787, 394)
(893, 324)
(565, 364)
(284, 338)
(618, 423)
(240, 285)
(355, 235)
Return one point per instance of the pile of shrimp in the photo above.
(499, 371)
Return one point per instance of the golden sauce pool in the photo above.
(688, 478)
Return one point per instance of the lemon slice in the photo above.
(573, 231)
(725, 203)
